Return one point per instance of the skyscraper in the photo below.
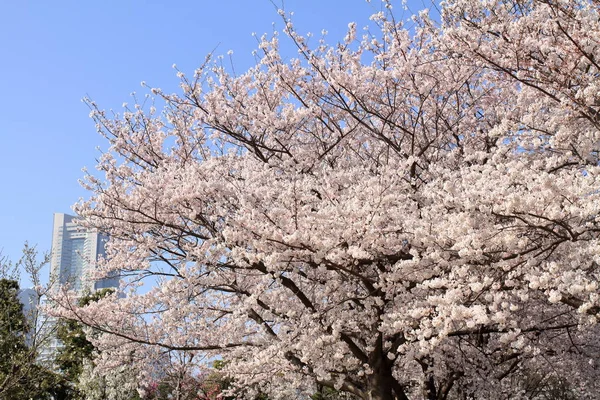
(75, 251)
(30, 299)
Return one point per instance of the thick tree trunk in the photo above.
(382, 385)
(429, 389)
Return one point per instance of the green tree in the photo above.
(77, 349)
(13, 328)
(20, 376)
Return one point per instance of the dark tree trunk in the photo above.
(381, 384)
(381, 387)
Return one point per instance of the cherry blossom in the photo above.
(411, 213)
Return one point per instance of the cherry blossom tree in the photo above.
(410, 213)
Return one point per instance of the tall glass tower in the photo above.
(75, 251)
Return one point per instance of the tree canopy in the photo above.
(410, 213)
(20, 376)
(13, 328)
(76, 350)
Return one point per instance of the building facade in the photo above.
(30, 300)
(74, 254)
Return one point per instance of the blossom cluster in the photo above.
(409, 213)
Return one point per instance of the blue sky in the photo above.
(55, 53)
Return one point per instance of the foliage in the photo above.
(13, 328)
(76, 349)
(20, 376)
(411, 213)
(215, 382)
(21, 334)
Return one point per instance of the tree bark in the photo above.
(381, 384)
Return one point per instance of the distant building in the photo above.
(74, 253)
(30, 299)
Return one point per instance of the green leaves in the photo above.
(20, 376)
(77, 349)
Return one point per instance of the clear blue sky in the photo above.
(56, 52)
